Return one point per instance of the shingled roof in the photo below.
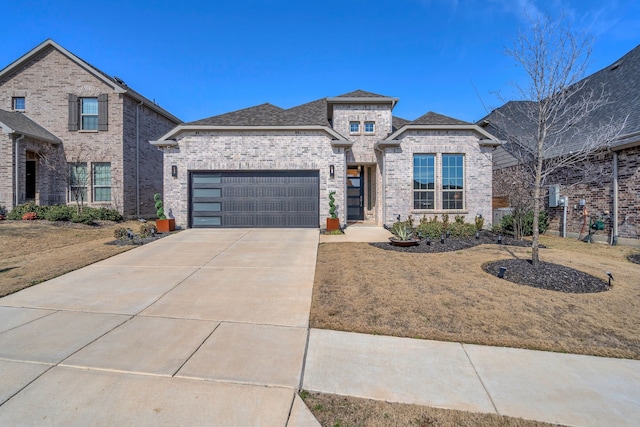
(361, 94)
(619, 83)
(432, 118)
(18, 123)
(260, 115)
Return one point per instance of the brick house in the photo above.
(68, 130)
(265, 166)
(613, 193)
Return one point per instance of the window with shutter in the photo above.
(103, 112)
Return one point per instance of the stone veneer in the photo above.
(253, 150)
(46, 82)
(398, 174)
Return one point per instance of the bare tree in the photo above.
(517, 189)
(554, 125)
(72, 169)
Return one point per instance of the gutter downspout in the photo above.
(17, 170)
(138, 158)
(614, 230)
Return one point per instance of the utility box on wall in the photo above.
(554, 195)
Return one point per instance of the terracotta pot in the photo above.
(165, 225)
(333, 224)
(404, 243)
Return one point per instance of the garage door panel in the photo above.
(255, 199)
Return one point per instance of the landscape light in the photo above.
(477, 235)
(442, 238)
(499, 239)
(502, 271)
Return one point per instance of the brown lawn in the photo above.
(449, 297)
(34, 251)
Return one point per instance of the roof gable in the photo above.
(115, 83)
(358, 93)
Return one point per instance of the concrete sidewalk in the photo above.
(557, 388)
(204, 327)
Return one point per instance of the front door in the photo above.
(355, 194)
(30, 182)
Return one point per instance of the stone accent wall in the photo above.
(398, 174)
(254, 150)
(6, 171)
(362, 149)
(598, 195)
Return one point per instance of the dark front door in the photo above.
(30, 182)
(355, 194)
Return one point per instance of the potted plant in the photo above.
(403, 235)
(333, 222)
(163, 224)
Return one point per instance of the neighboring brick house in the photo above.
(62, 120)
(265, 166)
(614, 193)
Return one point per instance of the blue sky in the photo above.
(202, 58)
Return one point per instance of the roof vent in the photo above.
(615, 66)
(119, 80)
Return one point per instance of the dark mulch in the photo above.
(634, 258)
(137, 240)
(553, 277)
(454, 244)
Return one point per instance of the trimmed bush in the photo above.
(147, 230)
(18, 212)
(59, 213)
(120, 233)
(105, 214)
(84, 218)
(431, 229)
(462, 229)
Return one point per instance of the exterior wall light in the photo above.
(174, 171)
(332, 172)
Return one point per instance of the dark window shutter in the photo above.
(103, 112)
(73, 112)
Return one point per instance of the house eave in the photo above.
(168, 139)
(485, 137)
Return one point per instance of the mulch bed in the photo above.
(553, 277)
(634, 258)
(137, 240)
(454, 244)
(547, 275)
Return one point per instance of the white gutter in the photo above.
(17, 170)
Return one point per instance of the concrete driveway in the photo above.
(202, 327)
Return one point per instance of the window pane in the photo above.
(423, 181)
(206, 179)
(18, 103)
(369, 127)
(89, 105)
(212, 220)
(89, 122)
(204, 207)
(423, 200)
(102, 182)
(354, 127)
(207, 192)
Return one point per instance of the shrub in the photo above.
(461, 229)
(147, 230)
(30, 216)
(431, 229)
(18, 211)
(120, 233)
(105, 214)
(445, 221)
(59, 213)
(84, 218)
(479, 222)
(459, 219)
(508, 226)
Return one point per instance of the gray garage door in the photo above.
(255, 199)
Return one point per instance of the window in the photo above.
(101, 182)
(452, 181)
(78, 182)
(17, 103)
(354, 127)
(424, 181)
(369, 127)
(89, 113)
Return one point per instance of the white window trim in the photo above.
(82, 115)
(373, 124)
(438, 190)
(359, 128)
